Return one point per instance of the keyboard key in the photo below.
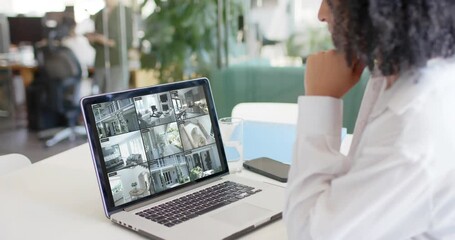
(169, 224)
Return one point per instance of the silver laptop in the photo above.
(162, 169)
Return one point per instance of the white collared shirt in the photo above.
(398, 181)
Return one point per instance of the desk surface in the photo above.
(58, 198)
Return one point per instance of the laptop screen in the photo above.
(155, 142)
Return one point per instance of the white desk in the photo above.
(58, 198)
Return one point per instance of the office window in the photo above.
(124, 151)
(167, 178)
(136, 146)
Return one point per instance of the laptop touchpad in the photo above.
(242, 214)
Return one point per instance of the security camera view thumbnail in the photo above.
(156, 142)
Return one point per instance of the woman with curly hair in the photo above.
(398, 180)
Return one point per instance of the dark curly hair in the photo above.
(394, 35)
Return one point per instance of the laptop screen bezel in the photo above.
(95, 145)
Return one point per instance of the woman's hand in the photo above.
(328, 74)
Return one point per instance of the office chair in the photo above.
(12, 162)
(61, 72)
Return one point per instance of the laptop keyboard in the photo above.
(192, 205)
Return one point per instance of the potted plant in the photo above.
(195, 173)
(181, 37)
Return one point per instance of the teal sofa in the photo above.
(239, 84)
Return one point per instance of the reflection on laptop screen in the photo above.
(156, 142)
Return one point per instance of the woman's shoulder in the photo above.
(417, 112)
(425, 85)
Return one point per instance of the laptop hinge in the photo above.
(171, 194)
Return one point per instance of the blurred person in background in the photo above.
(80, 45)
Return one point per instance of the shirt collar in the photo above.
(413, 87)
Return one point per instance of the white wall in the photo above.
(6, 6)
(83, 8)
(37, 8)
(306, 13)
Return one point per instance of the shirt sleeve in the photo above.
(328, 198)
